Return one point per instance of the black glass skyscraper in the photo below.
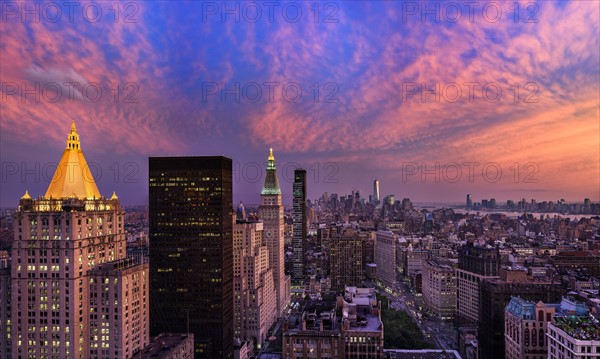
(300, 228)
(191, 243)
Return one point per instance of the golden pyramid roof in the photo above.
(73, 177)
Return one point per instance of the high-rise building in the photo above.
(385, 259)
(475, 264)
(74, 293)
(191, 251)
(439, 288)
(324, 238)
(345, 259)
(300, 226)
(253, 284)
(469, 201)
(271, 213)
(376, 192)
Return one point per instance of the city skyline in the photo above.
(40, 176)
(300, 179)
(366, 117)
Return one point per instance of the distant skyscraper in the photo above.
(191, 251)
(74, 292)
(469, 201)
(271, 213)
(376, 191)
(587, 204)
(300, 229)
(241, 211)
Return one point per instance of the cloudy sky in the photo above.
(435, 99)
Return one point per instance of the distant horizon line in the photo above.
(419, 203)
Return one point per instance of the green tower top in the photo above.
(271, 186)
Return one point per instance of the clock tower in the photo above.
(271, 213)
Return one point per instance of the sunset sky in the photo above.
(367, 119)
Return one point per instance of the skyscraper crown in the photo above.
(72, 177)
(271, 185)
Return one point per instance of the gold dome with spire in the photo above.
(72, 177)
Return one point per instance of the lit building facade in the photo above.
(254, 300)
(119, 303)
(439, 288)
(271, 213)
(62, 239)
(191, 251)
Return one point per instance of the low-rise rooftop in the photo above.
(164, 345)
(580, 328)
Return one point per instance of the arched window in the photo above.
(526, 337)
(541, 338)
(533, 337)
(540, 315)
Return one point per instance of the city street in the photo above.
(439, 332)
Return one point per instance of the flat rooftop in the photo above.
(420, 354)
(368, 323)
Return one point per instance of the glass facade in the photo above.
(191, 244)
